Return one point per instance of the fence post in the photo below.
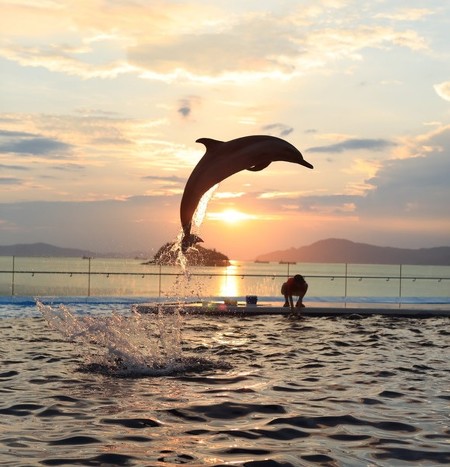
(13, 275)
(345, 283)
(89, 276)
(159, 285)
(400, 287)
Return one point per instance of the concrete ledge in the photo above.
(216, 309)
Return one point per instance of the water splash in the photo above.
(185, 286)
(136, 345)
(132, 345)
(181, 258)
(197, 220)
(200, 212)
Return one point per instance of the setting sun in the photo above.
(230, 216)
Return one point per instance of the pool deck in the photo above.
(221, 309)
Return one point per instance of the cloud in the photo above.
(113, 141)
(197, 41)
(184, 110)
(443, 90)
(10, 181)
(280, 194)
(171, 179)
(404, 203)
(262, 46)
(252, 44)
(354, 144)
(96, 157)
(164, 185)
(39, 146)
(26, 143)
(319, 204)
(13, 167)
(279, 129)
(228, 194)
(414, 187)
(16, 134)
(187, 104)
(69, 167)
(267, 45)
(58, 58)
(406, 14)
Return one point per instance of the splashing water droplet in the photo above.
(136, 345)
(132, 345)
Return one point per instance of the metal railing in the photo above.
(87, 280)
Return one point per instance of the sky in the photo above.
(102, 101)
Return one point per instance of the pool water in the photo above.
(258, 391)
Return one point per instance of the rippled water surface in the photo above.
(259, 391)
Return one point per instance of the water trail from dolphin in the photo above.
(197, 220)
(200, 212)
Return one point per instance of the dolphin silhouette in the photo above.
(225, 158)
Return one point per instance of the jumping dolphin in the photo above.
(225, 158)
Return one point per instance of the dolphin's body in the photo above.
(223, 159)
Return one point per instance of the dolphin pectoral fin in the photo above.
(210, 144)
(257, 168)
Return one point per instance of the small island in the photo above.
(198, 256)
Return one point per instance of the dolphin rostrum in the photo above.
(225, 158)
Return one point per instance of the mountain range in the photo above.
(331, 250)
(45, 249)
(335, 250)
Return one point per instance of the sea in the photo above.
(86, 380)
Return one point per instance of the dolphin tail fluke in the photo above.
(188, 241)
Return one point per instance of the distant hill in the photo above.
(335, 250)
(43, 249)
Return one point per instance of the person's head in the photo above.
(299, 279)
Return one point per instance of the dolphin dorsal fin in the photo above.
(210, 144)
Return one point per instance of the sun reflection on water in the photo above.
(229, 285)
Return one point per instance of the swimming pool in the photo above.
(206, 391)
